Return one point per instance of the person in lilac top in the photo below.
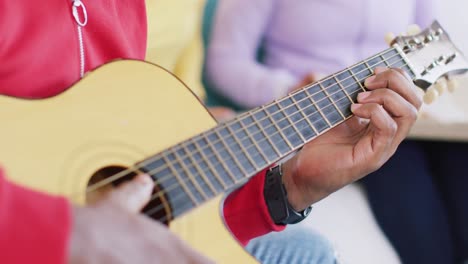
(420, 198)
(298, 38)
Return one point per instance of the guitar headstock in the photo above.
(434, 58)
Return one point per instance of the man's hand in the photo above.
(361, 145)
(112, 232)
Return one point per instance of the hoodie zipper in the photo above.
(81, 23)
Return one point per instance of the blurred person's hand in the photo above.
(111, 231)
(306, 80)
(222, 114)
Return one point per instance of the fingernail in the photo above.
(369, 80)
(355, 107)
(363, 96)
(144, 179)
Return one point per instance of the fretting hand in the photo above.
(383, 118)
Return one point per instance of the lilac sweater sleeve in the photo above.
(238, 30)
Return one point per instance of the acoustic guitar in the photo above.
(128, 117)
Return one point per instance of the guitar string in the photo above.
(165, 167)
(177, 198)
(177, 147)
(161, 168)
(160, 193)
(109, 180)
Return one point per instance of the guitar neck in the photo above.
(204, 166)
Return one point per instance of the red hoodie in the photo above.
(43, 51)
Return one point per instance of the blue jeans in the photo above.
(295, 245)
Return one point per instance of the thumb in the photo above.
(132, 195)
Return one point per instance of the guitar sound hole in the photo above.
(157, 201)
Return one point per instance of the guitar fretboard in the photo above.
(211, 163)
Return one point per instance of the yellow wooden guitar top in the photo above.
(118, 115)
(127, 111)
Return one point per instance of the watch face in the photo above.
(296, 217)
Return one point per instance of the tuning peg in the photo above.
(430, 96)
(420, 91)
(441, 86)
(452, 85)
(389, 37)
(413, 30)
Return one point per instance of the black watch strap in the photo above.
(276, 199)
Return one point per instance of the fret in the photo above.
(397, 61)
(211, 172)
(301, 102)
(178, 195)
(392, 57)
(345, 81)
(252, 131)
(374, 63)
(255, 136)
(165, 180)
(269, 148)
(361, 86)
(273, 131)
(189, 174)
(218, 159)
(319, 110)
(235, 167)
(362, 72)
(243, 146)
(351, 85)
(181, 182)
(404, 63)
(240, 144)
(287, 124)
(401, 64)
(330, 94)
(276, 117)
(193, 154)
(296, 130)
(317, 119)
(385, 61)
(325, 103)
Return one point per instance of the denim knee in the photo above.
(295, 245)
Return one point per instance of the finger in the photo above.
(405, 114)
(404, 73)
(379, 70)
(396, 81)
(396, 105)
(384, 126)
(132, 195)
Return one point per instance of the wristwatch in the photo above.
(276, 198)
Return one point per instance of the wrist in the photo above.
(295, 196)
(276, 198)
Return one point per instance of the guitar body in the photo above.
(118, 115)
(127, 111)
